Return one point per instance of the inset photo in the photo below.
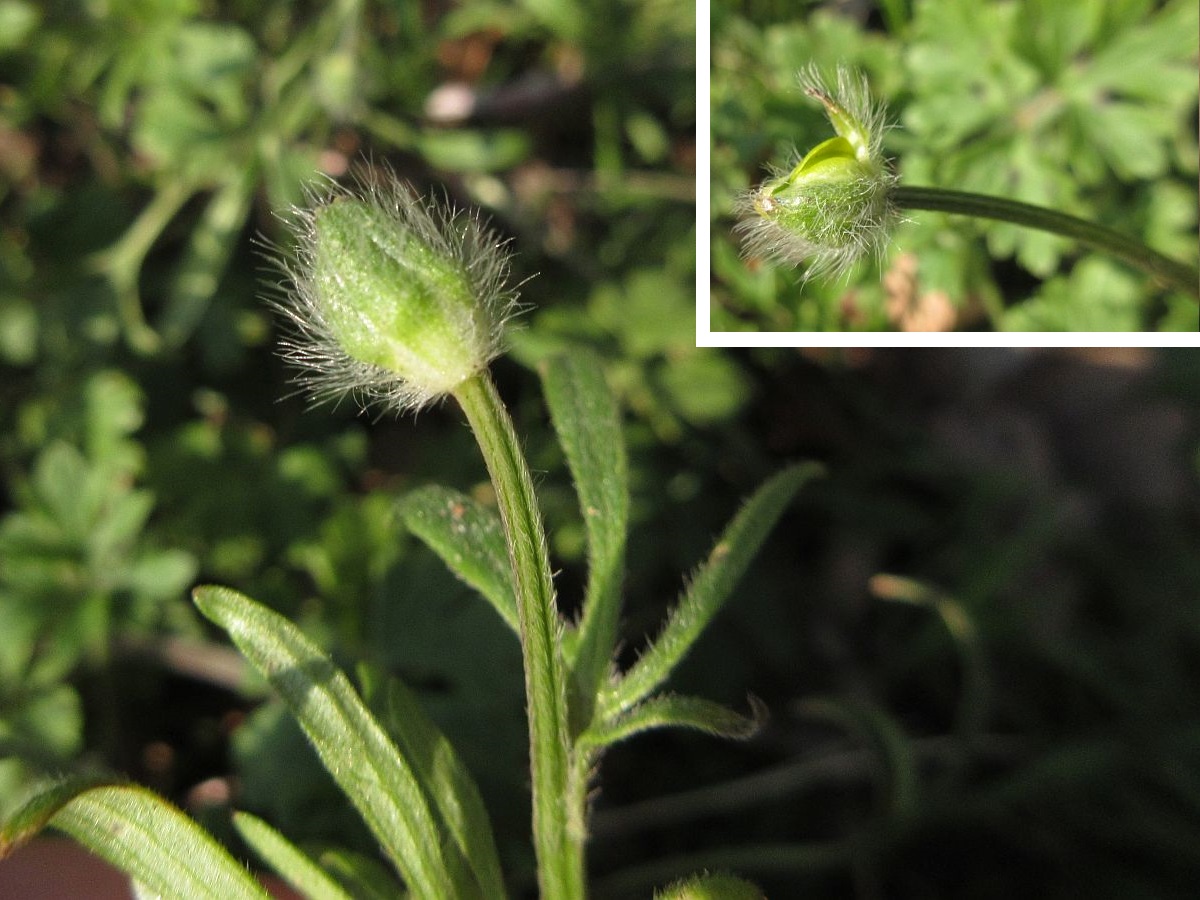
(936, 166)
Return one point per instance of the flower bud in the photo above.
(393, 298)
(833, 206)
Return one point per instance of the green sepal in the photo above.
(845, 123)
(718, 886)
(395, 298)
(831, 152)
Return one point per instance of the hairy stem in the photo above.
(557, 822)
(1168, 271)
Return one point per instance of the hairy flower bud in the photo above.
(393, 298)
(832, 206)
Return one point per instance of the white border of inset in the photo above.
(707, 338)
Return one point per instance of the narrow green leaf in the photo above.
(451, 788)
(33, 815)
(469, 537)
(208, 253)
(366, 878)
(588, 424)
(350, 743)
(886, 736)
(670, 711)
(709, 590)
(141, 834)
(288, 861)
(974, 699)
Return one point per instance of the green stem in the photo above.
(1166, 270)
(558, 832)
(122, 262)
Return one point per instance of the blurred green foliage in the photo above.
(77, 556)
(143, 146)
(1088, 107)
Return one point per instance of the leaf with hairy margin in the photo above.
(673, 711)
(709, 590)
(287, 860)
(351, 744)
(141, 834)
(587, 421)
(451, 788)
(469, 538)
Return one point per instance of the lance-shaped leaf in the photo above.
(469, 538)
(141, 834)
(208, 253)
(351, 744)
(672, 711)
(588, 424)
(901, 788)
(288, 860)
(709, 589)
(453, 792)
(367, 878)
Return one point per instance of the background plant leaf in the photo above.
(709, 589)
(469, 537)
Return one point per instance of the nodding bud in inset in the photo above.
(832, 207)
(393, 298)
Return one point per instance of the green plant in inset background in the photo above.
(839, 203)
(1036, 103)
(393, 300)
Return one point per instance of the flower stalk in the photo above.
(1165, 270)
(557, 824)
